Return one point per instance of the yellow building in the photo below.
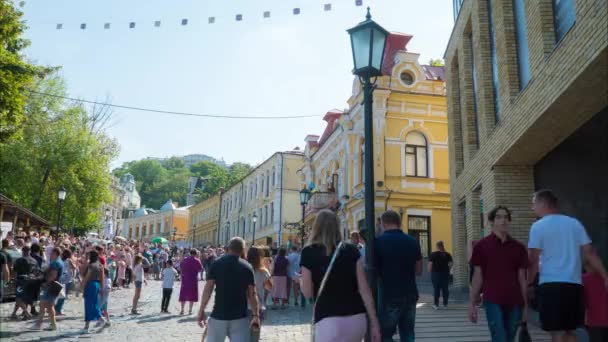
(146, 224)
(270, 193)
(410, 151)
(204, 220)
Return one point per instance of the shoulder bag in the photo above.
(321, 287)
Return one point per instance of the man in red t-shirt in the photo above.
(500, 264)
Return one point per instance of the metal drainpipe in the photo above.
(280, 242)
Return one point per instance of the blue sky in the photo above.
(285, 65)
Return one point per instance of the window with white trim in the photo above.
(416, 161)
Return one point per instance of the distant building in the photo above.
(191, 159)
(146, 224)
(204, 219)
(125, 200)
(270, 193)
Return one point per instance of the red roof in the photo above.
(331, 117)
(394, 43)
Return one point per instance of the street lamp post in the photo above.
(304, 198)
(60, 197)
(254, 219)
(174, 232)
(368, 40)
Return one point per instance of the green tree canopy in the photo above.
(436, 62)
(159, 181)
(59, 147)
(16, 74)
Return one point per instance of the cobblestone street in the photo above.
(291, 324)
(282, 325)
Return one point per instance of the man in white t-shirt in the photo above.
(557, 243)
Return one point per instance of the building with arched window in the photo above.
(410, 155)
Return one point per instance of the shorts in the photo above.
(46, 297)
(138, 284)
(561, 306)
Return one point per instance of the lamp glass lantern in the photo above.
(304, 196)
(61, 193)
(107, 212)
(254, 218)
(368, 41)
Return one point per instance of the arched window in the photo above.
(416, 161)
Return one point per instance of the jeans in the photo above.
(164, 306)
(503, 321)
(440, 285)
(398, 313)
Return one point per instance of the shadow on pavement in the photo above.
(186, 319)
(156, 319)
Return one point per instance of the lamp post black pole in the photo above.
(253, 237)
(302, 226)
(60, 208)
(369, 184)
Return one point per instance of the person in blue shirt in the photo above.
(398, 261)
(48, 296)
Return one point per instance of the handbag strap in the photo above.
(327, 272)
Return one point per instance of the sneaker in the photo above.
(108, 324)
(435, 307)
(135, 312)
(51, 327)
(100, 323)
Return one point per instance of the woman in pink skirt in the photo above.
(279, 279)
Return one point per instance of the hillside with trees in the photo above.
(160, 180)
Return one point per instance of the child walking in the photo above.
(105, 296)
(138, 273)
(122, 272)
(168, 278)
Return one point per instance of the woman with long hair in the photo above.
(261, 275)
(340, 309)
(279, 279)
(91, 286)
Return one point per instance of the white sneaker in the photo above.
(435, 307)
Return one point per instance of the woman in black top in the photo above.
(440, 263)
(346, 298)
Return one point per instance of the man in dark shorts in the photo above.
(26, 269)
(559, 243)
(232, 278)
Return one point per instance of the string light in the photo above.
(212, 19)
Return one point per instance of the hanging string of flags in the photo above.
(210, 20)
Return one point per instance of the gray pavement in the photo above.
(291, 324)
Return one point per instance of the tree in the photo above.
(58, 148)
(16, 75)
(436, 62)
(238, 171)
(174, 163)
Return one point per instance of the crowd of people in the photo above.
(330, 273)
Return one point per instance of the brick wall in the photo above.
(567, 87)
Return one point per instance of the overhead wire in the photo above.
(217, 116)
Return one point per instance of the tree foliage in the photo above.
(158, 181)
(60, 146)
(436, 62)
(16, 74)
